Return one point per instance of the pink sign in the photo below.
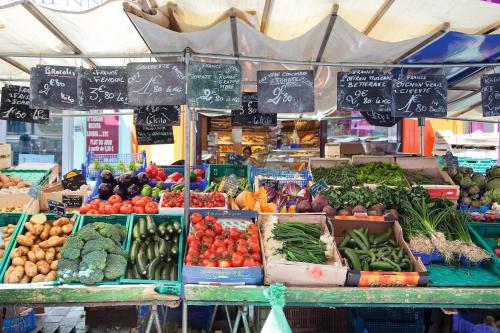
(102, 134)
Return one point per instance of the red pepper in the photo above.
(200, 172)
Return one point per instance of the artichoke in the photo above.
(479, 180)
(474, 189)
(493, 183)
(493, 172)
(466, 182)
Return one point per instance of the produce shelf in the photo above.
(349, 296)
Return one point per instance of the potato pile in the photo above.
(12, 181)
(10, 209)
(36, 256)
(7, 232)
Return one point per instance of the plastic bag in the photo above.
(276, 321)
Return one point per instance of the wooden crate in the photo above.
(5, 156)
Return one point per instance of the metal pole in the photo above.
(184, 316)
(194, 121)
(421, 125)
(187, 146)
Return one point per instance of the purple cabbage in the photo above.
(292, 189)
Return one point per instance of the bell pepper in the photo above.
(192, 175)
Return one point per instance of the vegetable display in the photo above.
(348, 175)
(154, 251)
(301, 242)
(116, 205)
(119, 167)
(157, 173)
(93, 254)
(365, 251)
(126, 185)
(217, 184)
(210, 244)
(197, 200)
(7, 232)
(476, 189)
(38, 250)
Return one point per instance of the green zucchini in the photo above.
(143, 229)
(174, 250)
(162, 228)
(158, 271)
(170, 229)
(151, 225)
(142, 262)
(150, 252)
(175, 239)
(134, 250)
(136, 233)
(162, 246)
(165, 271)
(173, 273)
(177, 227)
(152, 268)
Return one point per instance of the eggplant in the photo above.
(126, 179)
(133, 190)
(118, 190)
(107, 176)
(105, 191)
(142, 179)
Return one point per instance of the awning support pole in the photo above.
(187, 146)
(378, 16)
(328, 32)
(421, 125)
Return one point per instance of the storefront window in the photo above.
(349, 130)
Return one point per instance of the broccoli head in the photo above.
(72, 246)
(108, 230)
(101, 243)
(122, 231)
(115, 267)
(93, 260)
(88, 233)
(67, 270)
(90, 276)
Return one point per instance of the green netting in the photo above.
(461, 276)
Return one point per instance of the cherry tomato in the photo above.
(210, 232)
(151, 208)
(196, 218)
(234, 233)
(209, 263)
(219, 243)
(249, 262)
(237, 260)
(256, 257)
(207, 240)
(126, 209)
(115, 199)
(241, 249)
(139, 210)
(220, 251)
(210, 218)
(224, 263)
(85, 208)
(217, 228)
(254, 246)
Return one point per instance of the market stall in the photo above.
(379, 229)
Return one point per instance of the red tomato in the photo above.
(237, 260)
(135, 199)
(115, 199)
(196, 218)
(249, 262)
(209, 263)
(126, 209)
(210, 232)
(234, 233)
(126, 202)
(116, 208)
(210, 218)
(256, 257)
(93, 212)
(224, 263)
(219, 243)
(151, 208)
(254, 246)
(147, 199)
(207, 240)
(108, 209)
(140, 202)
(85, 208)
(95, 203)
(138, 210)
(102, 209)
(241, 249)
(217, 228)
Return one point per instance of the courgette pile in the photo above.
(154, 251)
(369, 252)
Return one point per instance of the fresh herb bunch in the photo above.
(301, 242)
(340, 175)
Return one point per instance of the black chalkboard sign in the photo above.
(15, 106)
(56, 207)
(319, 187)
(214, 86)
(248, 114)
(72, 201)
(364, 90)
(166, 115)
(103, 88)
(285, 91)
(73, 180)
(382, 119)
(490, 95)
(236, 159)
(156, 83)
(53, 87)
(420, 96)
(154, 135)
(272, 183)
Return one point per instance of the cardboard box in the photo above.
(27, 203)
(299, 273)
(223, 276)
(429, 166)
(57, 192)
(419, 277)
(348, 149)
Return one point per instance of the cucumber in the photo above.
(162, 246)
(157, 248)
(158, 271)
(142, 262)
(170, 229)
(151, 225)
(136, 232)
(143, 230)
(162, 228)
(175, 239)
(165, 271)
(150, 251)
(177, 227)
(134, 250)
(167, 237)
(174, 249)
(152, 268)
(173, 273)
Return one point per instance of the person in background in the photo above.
(247, 154)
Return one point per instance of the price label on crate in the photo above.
(56, 207)
(73, 201)
(231, 185)
(34, 190)
(319, 187)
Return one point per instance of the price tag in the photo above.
(73, 180)
(72, 201)
(236, 159)
(319, 187)
(56, 207)
(231, 185)
(34, 190)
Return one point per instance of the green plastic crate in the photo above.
(5, 219)
(113, 219)
(39, 177)
(221, 170)
(166, 287)
(486, 235)
(20, 231)
(443, 275)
